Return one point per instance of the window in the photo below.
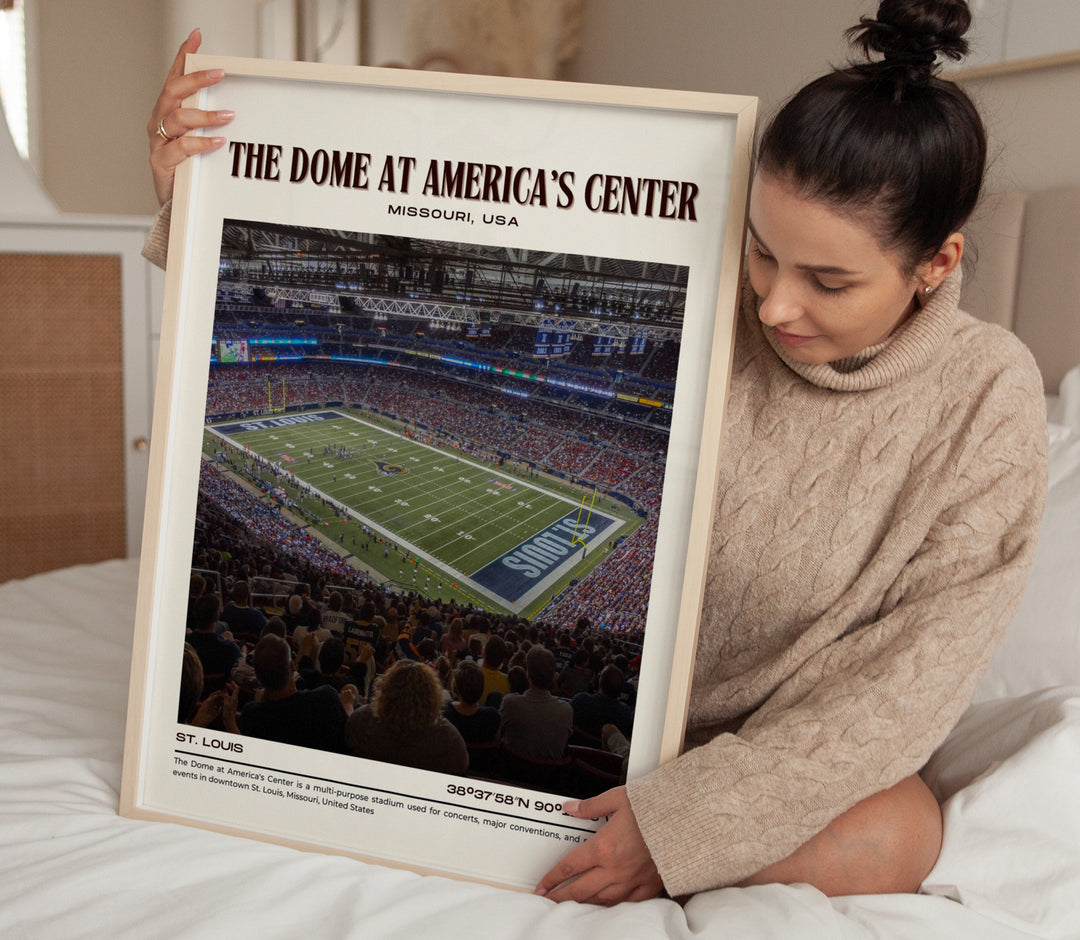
(13, 95)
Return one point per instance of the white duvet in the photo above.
(73, 868)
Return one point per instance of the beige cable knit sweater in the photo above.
(874, 525)
(156, 249)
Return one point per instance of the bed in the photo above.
(1007, 776)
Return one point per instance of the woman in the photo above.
(453, 643)
(881, 483)
(404, 723)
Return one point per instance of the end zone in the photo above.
(544, 557)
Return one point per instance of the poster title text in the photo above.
(648, 197)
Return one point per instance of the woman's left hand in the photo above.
(612, 865)
(167, 129)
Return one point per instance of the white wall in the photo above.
(101, 66)
(98, 73)
(229, 27)
(1020, 29)
(324, 31)
(769, 48)
(1034, 126)
(766, 47)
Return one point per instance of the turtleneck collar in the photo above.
(909, 350)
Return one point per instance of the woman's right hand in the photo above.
(612, 865)
(171, 120)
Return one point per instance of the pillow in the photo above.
(1042, 645)
(1007, 777)
(1064, 408)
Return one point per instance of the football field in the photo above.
(509, 539)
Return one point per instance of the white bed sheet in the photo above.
(1042, 646)
(72, 867)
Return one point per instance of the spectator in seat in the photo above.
(453, 642)
(593, 710)
(364, 630)
(475, 649)
(217, 710)
(427, 627)
(518, 678)
(294, 608)
(335, 618)
(241, 617)
(309, 614)
(478, 724)
(243, 673)
(324, 668)
(404, 723)
(577, 677)
(445, 672)
(305, 717)
(494, 656)
(217, 653)
(365, 648)
(427, 651)
(535, 723)
(196, 589)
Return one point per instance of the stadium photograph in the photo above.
(412, 447)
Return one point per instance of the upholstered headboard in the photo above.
(1026, 276)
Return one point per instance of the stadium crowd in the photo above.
(466, 416)
(330, 659)
(320, 655)
(577, 444)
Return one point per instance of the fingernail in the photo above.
(540, 892)
(217, 141)
(571, 806)
(226, 115)
(216, 73)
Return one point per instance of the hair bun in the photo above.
(913, 33)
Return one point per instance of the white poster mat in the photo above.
(568, 153)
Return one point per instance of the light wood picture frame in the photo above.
(371, 225)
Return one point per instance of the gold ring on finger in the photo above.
(163, 134)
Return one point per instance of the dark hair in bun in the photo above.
(886, 139)
(910, 36)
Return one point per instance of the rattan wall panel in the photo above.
(61, 412)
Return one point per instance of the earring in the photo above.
(928, 289)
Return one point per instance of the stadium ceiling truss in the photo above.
(456, 314)
(379, 276)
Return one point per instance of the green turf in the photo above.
(448, 513)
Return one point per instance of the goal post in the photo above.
(270, 406)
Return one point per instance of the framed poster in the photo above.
(440, 352)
